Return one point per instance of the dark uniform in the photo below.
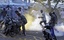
(7, 20)
(3, 13)
(52, 23)
(23, 21)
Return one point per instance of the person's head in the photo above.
(8, 7)
(16, 11)
(53, 12)
(50, 13)
(19, 8)
(4, 9)
(41, 11)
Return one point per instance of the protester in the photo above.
(43, 17)
(52, 23)
(43, 21)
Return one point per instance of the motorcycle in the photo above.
(47, 33)
(11, 27)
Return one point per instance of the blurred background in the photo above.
(31, 10)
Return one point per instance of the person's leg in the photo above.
(5, 30)
(40, 22)
(52, 33)
(45, 34)
(23, 29)
(45, 22)
(19, 30)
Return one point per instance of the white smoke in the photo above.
(35, 24)
(59, 28)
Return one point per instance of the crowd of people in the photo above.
(13, 20)
(50, 25)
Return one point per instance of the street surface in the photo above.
(30, 35)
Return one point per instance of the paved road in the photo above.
(30, 35)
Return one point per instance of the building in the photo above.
(15, 2)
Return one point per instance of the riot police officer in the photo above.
(23, 20)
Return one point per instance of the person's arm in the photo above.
(56, 18)
(40, 17)
(18, 13)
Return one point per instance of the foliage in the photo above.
(39, 0)
(49, 3)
